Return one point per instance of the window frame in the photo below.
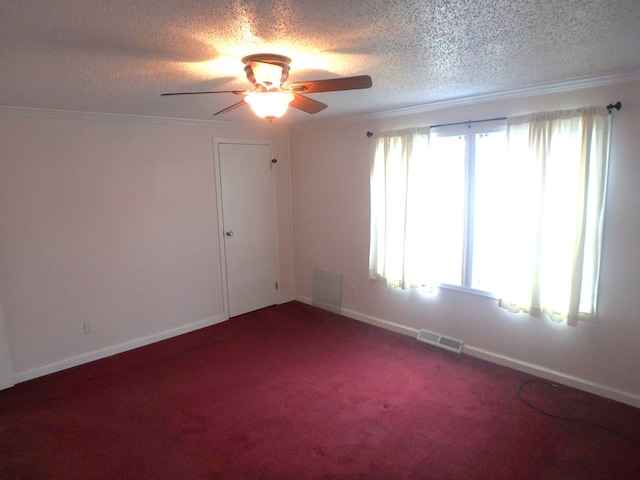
(469, 131)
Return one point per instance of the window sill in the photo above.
(472, 291)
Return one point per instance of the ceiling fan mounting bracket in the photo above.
(271, 58)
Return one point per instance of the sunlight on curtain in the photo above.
(556, 175)
(397, 241)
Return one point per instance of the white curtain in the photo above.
(557, 164)
(397, 208)
(550, 213)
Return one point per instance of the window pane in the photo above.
(489, 241)
(446, 205)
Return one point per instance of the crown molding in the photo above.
(529, 91)
(122, 118)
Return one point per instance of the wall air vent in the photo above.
(441, 341)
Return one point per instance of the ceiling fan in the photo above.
(270, 98)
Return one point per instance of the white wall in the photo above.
(112, 220)
(330, 178)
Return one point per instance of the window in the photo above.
(469, 169)
(515, 211)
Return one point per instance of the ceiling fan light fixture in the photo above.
(269, 104)
(268, 72)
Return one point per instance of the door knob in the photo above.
(229, 233)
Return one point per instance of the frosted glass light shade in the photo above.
(269, 104)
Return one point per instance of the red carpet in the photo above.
(293, 392)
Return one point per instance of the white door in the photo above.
(247, 197)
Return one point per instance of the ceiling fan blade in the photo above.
(307, 104)
(231, 107)
(332, 84)
(235, 92)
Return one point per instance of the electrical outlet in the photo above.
(88, 327)
(354, 291)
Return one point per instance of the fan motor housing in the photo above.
(270, 58)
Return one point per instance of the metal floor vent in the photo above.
(441, 341)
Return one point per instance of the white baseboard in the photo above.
(378, 322)
(286, 299)
(555, 376)
(533, 369)
(113, 350)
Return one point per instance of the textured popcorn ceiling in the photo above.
(117, 56)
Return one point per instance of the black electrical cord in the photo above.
(569, 419)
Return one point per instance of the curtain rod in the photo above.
(609, 107)
(468, 122)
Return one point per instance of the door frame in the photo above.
(6, 371)
(221, 236)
